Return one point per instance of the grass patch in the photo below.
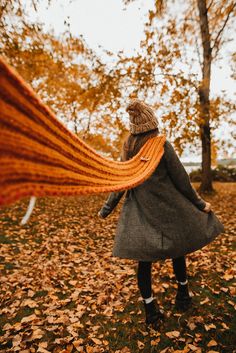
(40, 293)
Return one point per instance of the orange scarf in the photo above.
(40, 157)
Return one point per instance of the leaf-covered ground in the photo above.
(62, 291)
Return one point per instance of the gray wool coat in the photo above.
(163, 217)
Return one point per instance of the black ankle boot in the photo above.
(183, 301)
(153, 314)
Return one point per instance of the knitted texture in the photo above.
(40, 157)
(141, 116)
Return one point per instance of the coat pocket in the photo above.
(157, 245)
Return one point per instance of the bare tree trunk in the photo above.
(204, 92)
(75, 118)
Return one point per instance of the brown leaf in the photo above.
(209, 327)
(30, 303)
(192, 347)
(29, 318)
(228, 277)
(212, 343)
(141, 345)
(42, 350)
(206, 300)
(96, 340)
(78, 342)
(155, 342)
(172, 334)
(89, 349)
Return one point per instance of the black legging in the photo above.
(145, 278)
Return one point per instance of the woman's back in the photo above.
(162, 217)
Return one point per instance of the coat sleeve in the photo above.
(180, 177)
(111, 202)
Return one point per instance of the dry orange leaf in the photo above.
(192, 347)
(36, 334)
(140, 345)
(7, 327)
(30, 303)
(28, 318)
(212, 343)
(228, 277)
(155, 342)
(209, 327)
(89, 349)
(78, 342)
(42, 350)
(205, 301)
(173, 334)
(96, 340)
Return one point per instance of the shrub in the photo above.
(220, 173)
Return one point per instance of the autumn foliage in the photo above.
(90, 95)
(62, 291)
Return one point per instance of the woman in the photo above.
(162, 218)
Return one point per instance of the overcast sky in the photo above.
(108, 24)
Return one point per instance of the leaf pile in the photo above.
(62, 291)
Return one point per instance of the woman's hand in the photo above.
(207, 207)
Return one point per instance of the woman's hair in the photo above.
(133, 143)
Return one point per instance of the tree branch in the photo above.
(210, 5)
(217, 40)
(198, 52)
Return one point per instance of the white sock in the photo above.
(183, 283)
(148, 300)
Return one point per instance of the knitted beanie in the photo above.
(141, 116)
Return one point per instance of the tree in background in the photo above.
(67, 75)
(175, 68)
(168, 70)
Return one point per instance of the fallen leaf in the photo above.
(42, 350)
(96, 340)
(78, 343)
(206, 300)
(228, 277)
(30, 303)
(192, 326)
(28, 318)
(173, 334)
(225, 326)
(7, 327)
(155, 342)
(192, 347)
(212, 343)
(141, 345)
(209, 327)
